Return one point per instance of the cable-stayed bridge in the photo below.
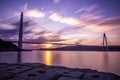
(20, 23)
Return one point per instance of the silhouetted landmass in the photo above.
(8, 46)
(84, 48)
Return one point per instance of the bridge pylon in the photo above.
(20, 31)
(105, 43)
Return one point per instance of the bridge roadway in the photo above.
(38, 71)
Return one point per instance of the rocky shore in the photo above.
(38, 71)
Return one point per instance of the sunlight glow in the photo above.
(48, 45)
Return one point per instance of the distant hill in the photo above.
(84, 48)
(8, 46)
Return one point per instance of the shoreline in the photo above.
(39, 71)
(54, 50)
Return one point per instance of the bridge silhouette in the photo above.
(20, 39)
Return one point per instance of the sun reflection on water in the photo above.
(48, 58)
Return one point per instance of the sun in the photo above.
(48, 45)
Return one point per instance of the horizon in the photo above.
(55, 21)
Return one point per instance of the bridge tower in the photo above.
(20, 39)
(105, 43)
(20, 31)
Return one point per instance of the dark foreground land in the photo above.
(38, 71)
(8, 46)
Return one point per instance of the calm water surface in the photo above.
(102, 61)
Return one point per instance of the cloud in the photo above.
(35, 34)
(93, 23)
(37, 30)
(87, 9)
(55, 17)
(68, 30)
(4, 26)
(64, 20)
(35, 13)
(9, 34)
(42, 38)
(54, 38)
(26, 23)
(79, 10)
(91, 8)
(56, 1)
(104, 25)
(91, 17)
(114, 21)
(70, 21)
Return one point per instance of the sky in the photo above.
(80, 22)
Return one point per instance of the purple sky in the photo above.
(63, 21)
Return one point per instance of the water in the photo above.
(102, 61)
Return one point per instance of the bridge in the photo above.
(20, 37)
